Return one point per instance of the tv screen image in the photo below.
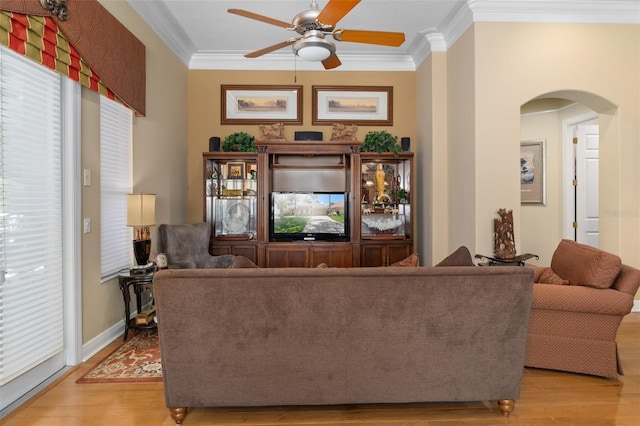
(312, 216)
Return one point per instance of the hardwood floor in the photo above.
(547, 398)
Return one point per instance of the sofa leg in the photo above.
(506, 406)
(177, 414)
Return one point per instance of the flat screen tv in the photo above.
(309, 216)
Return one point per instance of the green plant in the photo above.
(380, 141)
(239, 142)
(402, 194)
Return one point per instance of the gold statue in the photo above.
(380, 189)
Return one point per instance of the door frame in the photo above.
(568, 154)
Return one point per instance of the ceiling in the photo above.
(205, 36)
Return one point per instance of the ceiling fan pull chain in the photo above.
(295, 68)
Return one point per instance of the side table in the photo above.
(125, 281)
(516, 261)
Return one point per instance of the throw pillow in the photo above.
(460, 257)
(550, 277)
(412, 261)
(585, 265)
(242, 262)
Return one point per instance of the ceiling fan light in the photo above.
(313, 47)
(313, 53)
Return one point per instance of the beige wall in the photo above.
(204, 110)
(464, 174)
(596, 65)
(432, 159)
(159, 164)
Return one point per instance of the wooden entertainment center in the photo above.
(241, 206)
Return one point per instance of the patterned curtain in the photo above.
(38, 38)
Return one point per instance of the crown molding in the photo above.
(284, 62)
(160, 19)
(556, 11)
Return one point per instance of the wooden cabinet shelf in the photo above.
(238, 187)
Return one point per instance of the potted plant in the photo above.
(239, 142)
(380, 141)
(402, 195)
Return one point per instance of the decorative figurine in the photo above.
(272, 132)
(344, 132)
(504, 242)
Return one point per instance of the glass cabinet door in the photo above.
(385, 206)
(231, 197)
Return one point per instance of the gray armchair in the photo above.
(187, 247)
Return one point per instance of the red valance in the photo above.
(107, 46)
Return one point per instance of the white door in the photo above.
(587, 186)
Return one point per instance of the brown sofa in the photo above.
(327, 336)
(578, 304)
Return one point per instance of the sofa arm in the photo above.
(223, 261)
(576, 298)
(537, 271)
(628, 280)
(183, 264)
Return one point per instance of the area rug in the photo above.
(136, 360)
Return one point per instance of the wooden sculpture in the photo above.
(504, 242)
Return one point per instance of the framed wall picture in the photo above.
(260, 104)
(235, 171)
(533, 188)
(361, 105)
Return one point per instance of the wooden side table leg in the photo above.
(506, 406)
(177, 414)
(127, 299)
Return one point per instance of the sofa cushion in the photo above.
(585, 265)
(550, 277)
(242, 262)
(460, 257)
(412, 260)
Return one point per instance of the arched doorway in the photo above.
(559, 119)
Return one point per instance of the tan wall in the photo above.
(204, 110)
(432, 159)
(159, 164)
(596, 65)
(464, 174)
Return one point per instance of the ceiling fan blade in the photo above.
(270, 48)
(331, 62)
(370, 37)
(335, 10)
(261, 18)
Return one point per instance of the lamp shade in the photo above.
(141, 209)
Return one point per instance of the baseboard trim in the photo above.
(636, 306)
(103, 339)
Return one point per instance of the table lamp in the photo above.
(141, 214)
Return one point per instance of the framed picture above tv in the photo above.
(260, 104)
(361, 105)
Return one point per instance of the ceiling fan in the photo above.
(313, 25)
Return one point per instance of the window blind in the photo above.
(31, 277)
(115, 184)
